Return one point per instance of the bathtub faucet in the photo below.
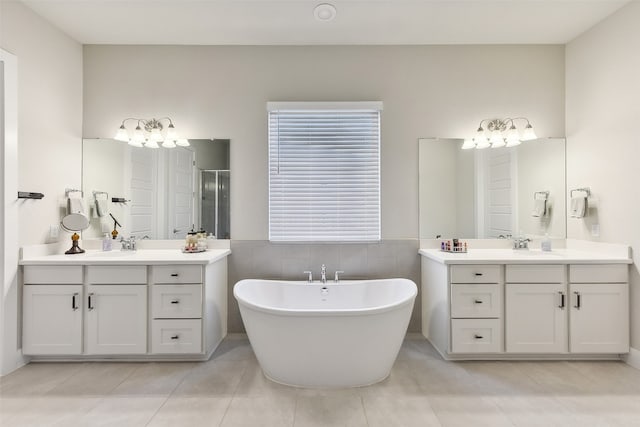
(323, 273)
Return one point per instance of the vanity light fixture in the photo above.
(149, 132)
(500, 133)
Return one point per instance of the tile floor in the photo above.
(230, 390)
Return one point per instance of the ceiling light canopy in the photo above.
(325, 12)
(496, 133)
(149, 133)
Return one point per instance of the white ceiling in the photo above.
(259, 22)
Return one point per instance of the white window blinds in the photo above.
(324, 171)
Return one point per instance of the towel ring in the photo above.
(584, 190)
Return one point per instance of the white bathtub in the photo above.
(331, 335)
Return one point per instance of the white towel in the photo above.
(539, 207)
(75, 203)
(578, 206)
(102, 207)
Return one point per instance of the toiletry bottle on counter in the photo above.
(106, 242)
(545, 245)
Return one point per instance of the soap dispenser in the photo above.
(106, 242)
(545, 245)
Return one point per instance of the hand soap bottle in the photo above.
(106, 242)
(545, 245)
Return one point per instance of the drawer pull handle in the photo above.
(175, 301)
(578, 301)
(74, 305)
(561, 300)
(478, 274)
(174, 274)
(478, 301)
(175, 337)
(90, 305)
(478, 337)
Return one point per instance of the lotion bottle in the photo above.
(106, 242)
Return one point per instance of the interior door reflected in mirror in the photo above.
(492, 192)
(157, 193)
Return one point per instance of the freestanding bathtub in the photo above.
(326, 335)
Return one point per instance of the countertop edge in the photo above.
(57, 260)
(429, 253)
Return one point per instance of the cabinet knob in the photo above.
(175, 301)
(174, 274)
(477, 301)
(478, 337)
(478, 274)
(175, 337)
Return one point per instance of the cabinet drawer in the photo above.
(176, 336)
(475, 273)
(117, 274)
(534, 274)
(482, 300)
(476, 335)
(599, 273)
(177, 274)
(176, 301)
(53, 274)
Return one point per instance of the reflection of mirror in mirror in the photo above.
(492, 192)
(167, 191)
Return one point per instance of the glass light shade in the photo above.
(155, 135)
(122, 134)
(484, 143)
(468, 144)
(513, 135)
(138, 135)
(171, 132)
(151, 144)
(480, 135)
(496, 137)
(135, 143)
(182, 142)
(528, 133)
(168, 143)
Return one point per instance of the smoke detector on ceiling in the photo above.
(324, 12)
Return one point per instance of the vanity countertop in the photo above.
(139, 257)
(531, 256)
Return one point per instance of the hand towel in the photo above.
(539, 207)
(75, 203)
(578, 206)
(102, 207)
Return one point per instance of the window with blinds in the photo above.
(324, 171)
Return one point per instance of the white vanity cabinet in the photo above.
(52, 315)
(509, 310)
(536, 309)
(135, 306)
(599, 310)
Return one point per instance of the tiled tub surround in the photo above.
(526, 304)
(150, 304)
(260, 259)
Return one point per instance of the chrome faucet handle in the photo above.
(309, 277)
(323, 273)
(336, 277)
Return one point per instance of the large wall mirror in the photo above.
(156, 193)
(494, 192)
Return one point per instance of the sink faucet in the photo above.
(323, 273)
(128, 244)
(521, 243)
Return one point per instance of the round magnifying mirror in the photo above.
(75, 222)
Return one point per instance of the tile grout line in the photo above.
(364, 410)
(169, 396)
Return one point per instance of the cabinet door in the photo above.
(599, 318)
(536, 318)
(116, 319)
(52, 319)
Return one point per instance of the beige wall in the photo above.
(603, 150)
(221, 91)
(49, 138)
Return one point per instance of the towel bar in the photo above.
(585, 190)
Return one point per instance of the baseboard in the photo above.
(633, 358)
